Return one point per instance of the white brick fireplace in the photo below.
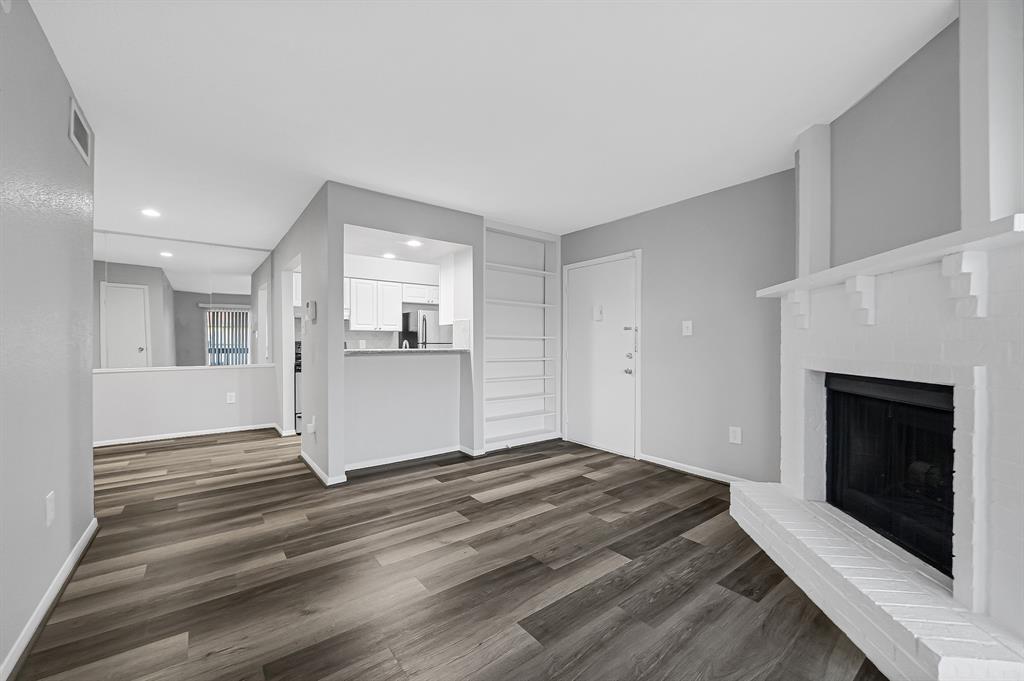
(948, 311)
(913, 622)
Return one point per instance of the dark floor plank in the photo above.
(221, 558)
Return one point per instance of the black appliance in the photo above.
(409, 333)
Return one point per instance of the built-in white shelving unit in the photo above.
(522, 331)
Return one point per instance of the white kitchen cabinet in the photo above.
(363, 305)
(414, 293)
(348, 297)
(375, 305)
(419, 293)
(389, 306)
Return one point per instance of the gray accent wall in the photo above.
(896, 157)
(161, 306)
(46, 327)
(190, 324)
(703, 259)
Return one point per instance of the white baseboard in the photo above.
(695, 470)
(319, 472)
(29, 630)
(284, 433)
(472, 452)
(403, 457)
(172, 436)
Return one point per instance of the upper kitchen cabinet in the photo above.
(375, 305)
(419, 293)
(348, 297)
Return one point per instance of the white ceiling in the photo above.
(200, 268)
(377, 242)
(228, 115)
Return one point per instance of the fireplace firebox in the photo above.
(889, 461)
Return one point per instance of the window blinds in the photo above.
(227, 337)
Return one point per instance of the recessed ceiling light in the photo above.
(388, 255)
(151, 212)
(414, 243)
(166, 254)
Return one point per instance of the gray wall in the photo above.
(46, 353)
(896, 157)
(161, 306)
(190, 324)
(702, 260)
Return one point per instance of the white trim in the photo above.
(637, 256)
(284, 433)
(694, 470)
(475, 453)
(319, 472)
(104, 285)
(47, 601)
(173, 436)
(403, 458)
(200, 367)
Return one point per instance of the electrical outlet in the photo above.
(51, 507)
(311, 426)
(230, 398)
(735, 435)
(687, 327)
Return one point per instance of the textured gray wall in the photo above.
(703, 259)
(161, 306)
(190, 324)
(46, 193)
(896, 157)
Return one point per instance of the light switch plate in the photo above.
(51, 507)
(230, 398)
(598, 313)
(687, 327)
(735, 435)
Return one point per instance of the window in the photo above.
(227, 337)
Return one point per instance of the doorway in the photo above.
(601, 355)
(124, 325)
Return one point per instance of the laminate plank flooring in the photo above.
(222, 558)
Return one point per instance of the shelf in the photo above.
(522, 359)
(515, 303)
(1005, 232)
(497, 266)
(511, 379)
(511, 437)
(499, 337)
(516, 398)
(519, 415)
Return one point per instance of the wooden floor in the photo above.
(224, 559)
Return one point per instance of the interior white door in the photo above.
(124, 316)
(602, 345)
(363, 298)
(389, 299)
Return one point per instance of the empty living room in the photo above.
(512, 340)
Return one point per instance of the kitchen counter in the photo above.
(349, 352)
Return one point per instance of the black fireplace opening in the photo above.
(889, 461)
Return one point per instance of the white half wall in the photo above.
(401, 407)
(137, 405)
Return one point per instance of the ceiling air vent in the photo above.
(80, 132)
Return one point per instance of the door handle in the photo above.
(142, 349)
(629, 371)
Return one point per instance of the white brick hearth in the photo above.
(904, 620)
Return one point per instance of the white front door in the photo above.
(601, 353)
(124, 330)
